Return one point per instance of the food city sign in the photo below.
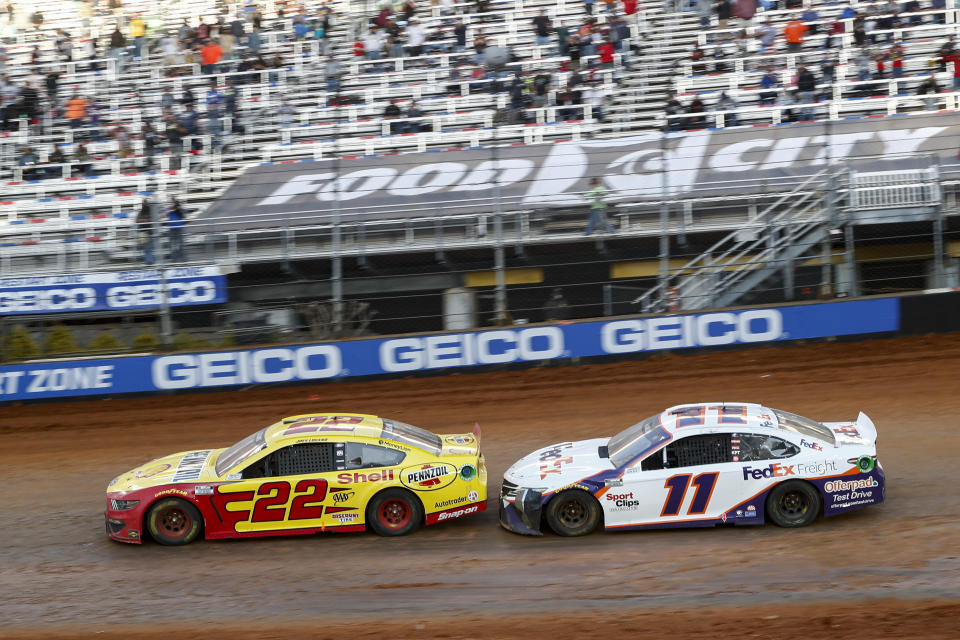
(379, 356)
(111, 291)
(718, 162)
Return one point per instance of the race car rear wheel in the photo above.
(394, 512)
(174, 522)
(793, 504)
(573, 513)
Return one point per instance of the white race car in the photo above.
(697, 465)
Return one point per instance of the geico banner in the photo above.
(736, 161)
(380, 356)
(113, 291)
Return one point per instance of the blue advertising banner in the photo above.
(185, 371)
(111, 291)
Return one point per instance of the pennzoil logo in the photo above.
(428, 477)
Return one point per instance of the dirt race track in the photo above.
(887, 571)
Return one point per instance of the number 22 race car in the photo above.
(305, 474)
(697, 465)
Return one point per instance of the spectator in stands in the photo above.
(828, 69)
(673, 108)
(121, 134)
(392, 112)
(167, 101)
(176, 223)
(373, 46)
(859, 31)
(414, 112)
(556, 306)
(870, 25)
(605, 49)
(52, 82)
(561, 33)
(542, 28)
(793, 33)
(598, 207)
(409, 8)
(588, 6)
(64, 46)
(151, 140)
(596, 96)
(57, 160)
(863, 64)
(76, 111)
(723, 11)
(835, 29)
(769, 85)
(896, 54)
(955, 59)
(254, 42)
(210, 55)
(479, 47)
(806, 92)
(880, 60)
(118, 45)
(929, 89)
(541, 88)
(569, 99)
(81, 161)
(145, 232)
(745, 9)
(174, 132)
(459, 36)
(767, 34)
(911, 6)
(726, 103)
(138, 31)
(705, 10)
(696, 109)
(28, 160)
(848, 13)
(332, 72)
(946, 50)
(416, 36)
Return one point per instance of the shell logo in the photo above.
(428, 477)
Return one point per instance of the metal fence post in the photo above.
(500, 292)
(663, 276)
(938, 266)
(607, 299)
(336, 268)
(166, 322)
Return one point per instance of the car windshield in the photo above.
(414, 436)
(804, 426)
(636, 441)
(241, 451)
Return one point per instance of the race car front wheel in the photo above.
(394, 512)
(793, 504)
(174, 522)
(573, 513)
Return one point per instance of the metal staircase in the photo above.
(792, 228)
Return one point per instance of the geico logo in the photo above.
(775, 470)
(487, 347)
(357, 478)
(194, 292)
(620, 496)
(416, 181)
(706, 330)
(243, 367)
(48, 299)
(456, 514)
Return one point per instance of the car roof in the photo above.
(316, 424)
(736, 416)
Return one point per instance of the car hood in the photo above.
(186, 466)
(559, 464)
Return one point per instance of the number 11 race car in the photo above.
(305, 474)
(697, 465)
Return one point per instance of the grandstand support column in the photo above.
(663, 276)
(853, 289)
(166, 324)
(336, 267)
(499, 266)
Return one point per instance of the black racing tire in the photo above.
(573, 513)
(173, 522)
(394, 512)
(793, 504)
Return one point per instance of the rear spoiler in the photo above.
(868, 430)
(476, 430)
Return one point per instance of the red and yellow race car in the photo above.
(304, 474)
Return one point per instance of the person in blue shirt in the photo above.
(769, 83)
(176, 221)
(848, 13)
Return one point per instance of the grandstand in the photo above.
(878, 168)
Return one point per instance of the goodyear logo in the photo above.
(428, 477)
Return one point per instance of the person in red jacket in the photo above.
(210, 55)
(629, 7)
(605, 49)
